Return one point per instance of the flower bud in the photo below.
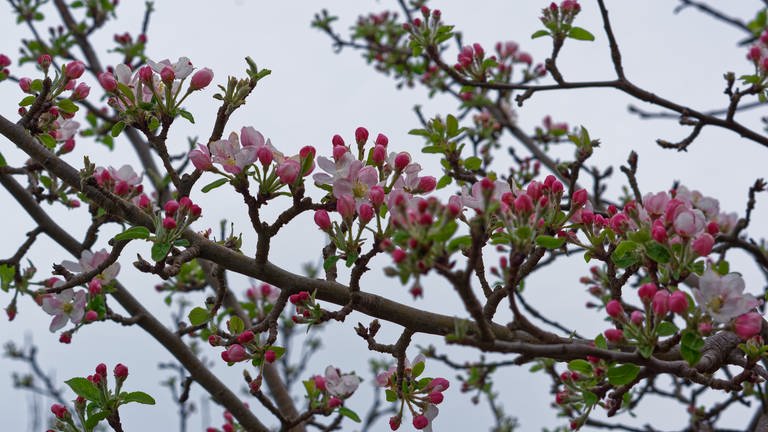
(678, 302)
(361, 135)
(167, 75)
(614, 309)
(74, 69)
(323, 220)
(121, 371)
(748, 325)
(201, 79)
(402, 160)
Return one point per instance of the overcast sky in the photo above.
(314, 93)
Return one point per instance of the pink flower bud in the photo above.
(94, 287)
(81, 91)
(74, 69)
(523, 204)
(435, 398)
(426, 184)
(614, 309)
(420, 422)
(398, 255)
(60, 411)
(678, 302)
(121, 371)
(333, 402)
(748, 325)
(101, 369)
(270, 356)
(394, 422)
(195, 210)
(25, 84)
(201, 79)
(319, 382)
(65, 338)
(376, 195)
(171, 207)
(580, 197)
(323, 220)
(366, 213)
(524, 57)
(646, 292)
(91, 316)
(659, 233)
(382, 140)
(705, 328)
(402, 160)
(169, 223)
(70, 85)
(245, 337)
(345, 205)
(660, 303)
(636, 317)
(145, 74)
(337, 140)
(235, 353)
(307, 151)
(614, 335)
(702, 245)
(167, 75)
(122, 188)
(44, 61)
(68, 146)
(185, 202)
(288, 171)
(144, 201)
(361, 135)
(265, 155)
(379, 155)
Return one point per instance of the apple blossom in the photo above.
(67, 305)
(722, 297)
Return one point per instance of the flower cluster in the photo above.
(420, 395)
(328, 392)
(558, 19)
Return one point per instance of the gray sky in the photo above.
(314, 93)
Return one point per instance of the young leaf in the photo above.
(137, 232)
(214, 184)
(579, 33)
(473, 163)
(198, 316)
(117, 128)
(160, 250)
(539, 34)
(346, 412)
(137, 396)
(83, 387)
(623, 374)
(550, 242)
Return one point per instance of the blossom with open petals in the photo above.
(181, 69)
(230, 155)
(723, 296)
(90, 261)
(67, 305)
(338, 384)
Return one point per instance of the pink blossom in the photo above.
(688, 223)
(90, 261)
(235, 353)
(702, 245)
(722, 297)
(345, 205)
(655, 204)
(748, 325)
(67, 305)
(475, 198)
(67, 130)
(81, 91)
(229, 154)
(614, 335)
(181, 69)
(341, 385)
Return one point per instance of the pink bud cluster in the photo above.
(304, 306)
(421, 395)
(179, 214)
(758, 55)
(560, 18)
(5, 61)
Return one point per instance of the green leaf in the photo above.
(417, 370)
(657, 252)
(623, 374)
(624, 255)
(690, 346)
(160, 250)
(278, 350)
(154, 123)
(452, 126)
(666, 328)
(579, 365)
(590, 398)
(138, 397)
(550, 242)
(600, 342)
(2, 161)
(95, 418)
(443, 182)
(236, 325)
(67, 106)
(137, 232)
(645, 350)
(214, 184)
(473, 163)
(539, 34)
(7, 273)
(445, 232)
(418, 132)
(330, 261)
(187, 115)
(198, 316)
(29, 100)
(117, 128)
(83, 387)
(579, 33)
(47, 140)
(459, 242)
(391, 395)
(36, 85)
(346, 412)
